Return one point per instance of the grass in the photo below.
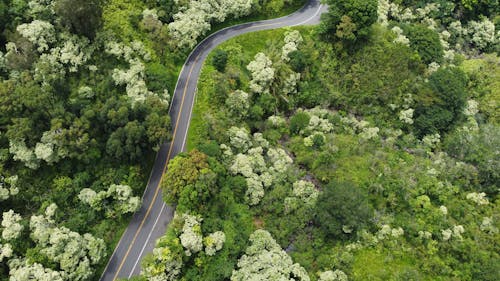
(118, 16)
(486, 71)
(241, 51)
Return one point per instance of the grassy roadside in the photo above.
(119, 17)
(247, 45)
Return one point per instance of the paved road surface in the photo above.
(150, 222)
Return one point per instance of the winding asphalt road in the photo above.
(150, 222)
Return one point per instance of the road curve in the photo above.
(151, 220)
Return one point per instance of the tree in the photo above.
(479, 148)
(299, 122)
(219, 60)
(74, 253)
(191, 236)
(127, 142)
(348, 20)
(116, 200)
(442, 107)
(11, 227)
(238, 103)
(40, 33)
(183, 170)
(81, 17)
(425, 42)
(265, 260)
(214, 242)
(194, 21)
(25, 270)
(262, 73)
(342, 208)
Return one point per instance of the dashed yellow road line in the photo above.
(164, 168)
(170, 153)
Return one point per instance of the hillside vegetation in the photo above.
(362, 149)
(84, 95)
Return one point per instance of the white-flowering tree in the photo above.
(214, 242)
(280, 161)
(329, 275)
(163, 265)
(40, 33)
(11, 227)
(383, 9)
(2, 61)
(304, 194)
(194, 21)
(482, 33)
(238, 103)
(119, 200)
(73, 52)
(262, 73)
(478, 198)
(8, 187)
(74, 253)
(24, 270)
(41, 8)
(134, 77)
(290, 83)
(260, 164)
(239, 139)
(406, 116)
(400, 37)
(191, 237)
(265, 260)
(49, 149)
(22, 153)
(292, 42)
(6, 251)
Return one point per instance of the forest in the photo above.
(364, 148)
(84, 98)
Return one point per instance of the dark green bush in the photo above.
(219, 60)
(425, 42)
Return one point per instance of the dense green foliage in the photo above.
(443, 106)
(84, 98)
(349, 20)
(342, 208)
(426, 42)
(378, 162)
(219, 60)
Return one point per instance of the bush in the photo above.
(443, 108)
(349, 20)
(425, 42)
(342, 208)
(219, 60)
(298, 60)
(298, 122)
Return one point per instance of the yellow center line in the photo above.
(168, 157)
(164, 168)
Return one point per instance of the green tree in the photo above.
(425, 42)
(183, 170)
(342, 208)
(81, 17)
(219, 60)
(480, 149)
(348, 20)
(442, 107)
(298, 122)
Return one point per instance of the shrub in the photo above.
(298, 122)
(219, 60)
(425, 42)
(342, 208)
